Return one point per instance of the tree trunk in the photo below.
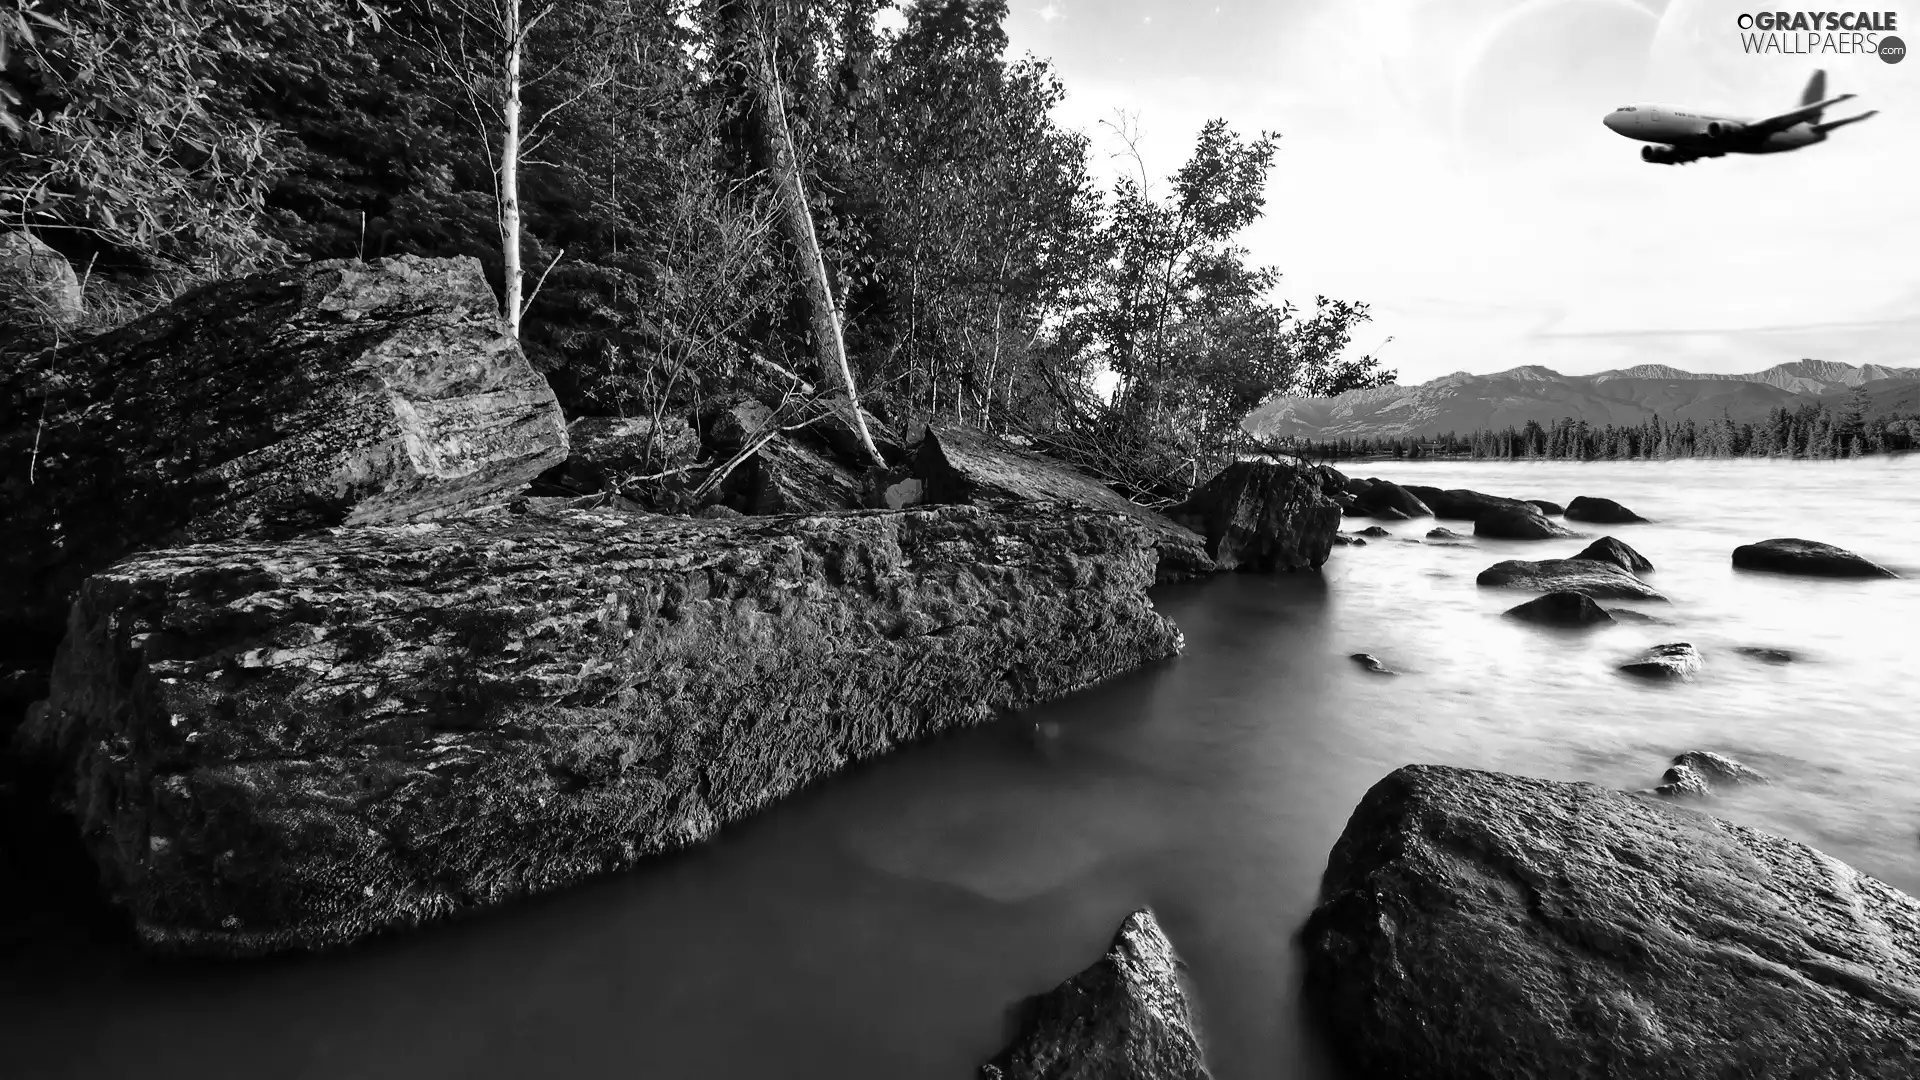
(796, 221)
(510, 171)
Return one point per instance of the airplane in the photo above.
(1683, 135)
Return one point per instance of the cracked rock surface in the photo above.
(1474, 924)
(275, 745)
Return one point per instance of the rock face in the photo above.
(33, 272)
(1461, 504)
(1589, 577)
(1478, 925)
(1262, 516)
(294, 744)
(1600, 511)
(604, 450)
(1608, 550)
(1527, 524)
(1808, 557)
(1679, 660)
(335, 393)
(962, 465)
(1124, 1018)
(1561, 609)
(1384, 498)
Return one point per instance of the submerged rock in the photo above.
(1527, 524)
(1443, 534)
(1718, 769)
(1609, 550)
(1124, 1018)
(1374, 531)
(1371, 663)
(1263, 516)
(1601, 512)
(965, 465)
(1808, 557)
(1767, 655)
(1561, 609)
(292, 745)
(1679, 660)
(1479, 925)
(338, 392)
(1683, 782)
(1348, 540)
(1600, 580)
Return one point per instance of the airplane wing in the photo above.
(1787, 119)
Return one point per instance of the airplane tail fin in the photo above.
(1843, 122)
(1816, 88)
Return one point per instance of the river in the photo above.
(882, 923)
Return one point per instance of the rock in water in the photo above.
(1374, 531)
(1550, 509)
(1386, 499)
(1462, 504)
(1767, 655)
(1527, 524)
(1608, 550)
(1263, 516)
(1124, 1018)
(1478, 925)
(1371, 663)
(1345, 540)
(336, 392)
(1683, 781)
(1679, 660)
(1809, 557)
(1601, 512)
(1561, 609)
(1600, 580)
(1719, 769)
(294, 744)
(963, 465)
(1443, 534)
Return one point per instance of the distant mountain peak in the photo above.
(1529, 371)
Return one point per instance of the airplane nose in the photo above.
(1612, 120)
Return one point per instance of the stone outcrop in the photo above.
(1678, 660)
(1600, 511)
(334, 393)
(1262, 516)
(1609, 550)
(1461, 504)
(33, 274)
(1124, 1018)
(1478, 925)
(1806, 557)
(1590, 577)
(293, 744)
(1567, 609)
(963, 465)
(1519, 524)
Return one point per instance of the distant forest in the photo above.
(678, 201)
(1810, 431)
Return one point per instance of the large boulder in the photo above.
(294, 744)
(1563, 609)
(1262, 516)
(1609, 550)
(1526, 523)
(1124, 1018)
(38, 278)
(334, 393)
(1478, 925)
(1807, 557)
(1600, 511)
(787, 476)
(1386, 499)
(1461, 504)
(965, 465)
(1589, 577)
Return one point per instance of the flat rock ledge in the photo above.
(1475, 925)
(1124, 1018)
(277, 746)
(1811, 558)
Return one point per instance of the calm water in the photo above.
(881, 924)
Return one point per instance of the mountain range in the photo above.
(1462, 402)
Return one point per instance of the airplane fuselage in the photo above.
(1691, 130)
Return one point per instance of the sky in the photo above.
(1444, 161)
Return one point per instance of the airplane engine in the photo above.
(1715, 129)
(1647, 154)
(1665, 155)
